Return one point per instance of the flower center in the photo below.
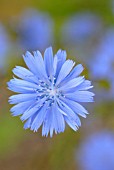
(52, 92)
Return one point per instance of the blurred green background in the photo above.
(25, 150)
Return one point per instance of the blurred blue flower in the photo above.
(80, 32)
(97, 152)
(80, 27)
(102, 62)
(35, 30)
(50, 92)
(111, 4)
(4, 47)
(103, 59)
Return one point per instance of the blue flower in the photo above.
(97, 152)
(35, 30)
(50, 92)
(80, 27)
(102, 64)
(4, 47)
(103, 57)
(111, 5)
(79, 34)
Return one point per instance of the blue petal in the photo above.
(21, 108)
(28, 123)
(23, 83)
(81, 96)
(32, 65)
(47, 123)
(73, 74)
(76, 107)
(29, 113)
(22, 98)
(36, 108)
(20, 89)
(48, 60)
(86, 85)
(39, 118)
(39, 61)
(71, 123)
(72, 83)
(70, 113)
(59, 60)
(54, 120)
(76, 71)
(40, 65)
(58, 119)
(52, 125)
(30, 62)
(25, 74)
(65, 70)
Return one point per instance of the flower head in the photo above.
(4, 47)
(97, 150)
(82, 26)
(50, 91)
(35, 30)
(103, 60)
(79, 34)
(102, 64)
